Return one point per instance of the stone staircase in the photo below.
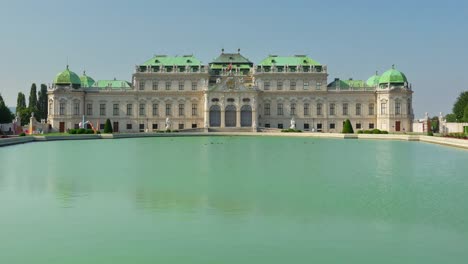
(230, 129)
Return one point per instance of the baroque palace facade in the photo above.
(231, 93)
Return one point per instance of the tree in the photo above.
(465, 114)
(451, 118)
(108, 127)
(435, 124)
(33, 99)
(347, 127)
(20, 102)
(42, 110)
(459, 106)
(5, 114)
(25, 115)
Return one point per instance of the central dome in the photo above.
(393, 76)
(68, 77)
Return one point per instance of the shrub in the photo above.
(72, 131)
(291, 130)
(89, 131)
(22, 134)
(347, 127)
(108, 127)
(168, 131)
(81, 131)
(383, 132)
(98, 132)
(360, 132)
(429, 133)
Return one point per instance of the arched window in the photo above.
(397, 107)
(371, 109)
(383, 107)
(408, 104)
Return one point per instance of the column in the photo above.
(206, 116)
(223, 112)
(238, 117)
(254, 119)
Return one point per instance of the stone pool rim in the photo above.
(450, 142)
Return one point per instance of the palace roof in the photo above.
(160, 60)
(393, 76)
(67, 77)
(296, 60)
(112, 84)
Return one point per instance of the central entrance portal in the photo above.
(230, 116)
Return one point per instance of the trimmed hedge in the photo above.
(457, 135)
(108, 127)
(22, 134)
(290, 130)
(372, 131)
(81, 131)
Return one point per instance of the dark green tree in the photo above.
(20, 102)
(33, 99)
(347, 127)
(465, 114)
(25, 115)
(42, 110)
(108, 127)
(435, 124)
(451, 118)
(459, 106)
(5, 114)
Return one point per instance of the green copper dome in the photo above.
(86, 81)
(393, 76)
(374, 80)
(68, 77)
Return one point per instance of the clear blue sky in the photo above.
(427, 40)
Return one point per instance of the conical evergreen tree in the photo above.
(33, 99)
(5, 114)
(42, 110)
(347, 127)
(20, 102)
(108, 127)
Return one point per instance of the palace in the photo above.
(231, 93)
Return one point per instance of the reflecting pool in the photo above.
(233, 200)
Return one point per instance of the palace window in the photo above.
(358, 126)
(306, 109)
(181, 126)
(332, 109)
(181, 109)
(102, 109)
(292, 85)
(129, 126)
(142, 127)
(155, 109)
(293, 109)
(306, 126)
(129, 109)
(280, 109)
(280, 126)
(383, 108)
(62, 109)
(155, 126)
(319, 127)
(306, 85)
(168, 86)
(319, 109)
(266, 86)
(318, 85)
(76, 109)
(332, 125)
(358, 109)
(142, 110)
(194, 109)
(279, 85)
(89, 109)
(371, 109)
(267, 109)
(142, 85)
(194, 125)
(155, 85)
(371, 125)
(345, 108)
(397, 107)
(194, 86)
(168, 109)
(181, 86)
(115, 109)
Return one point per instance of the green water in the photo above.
(233, 200)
